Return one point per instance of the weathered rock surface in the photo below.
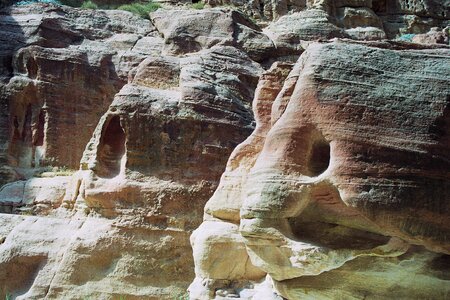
(153, 160)
(60, 70)
(170, 134)
(75, 258)
(434, 36)
(311, 24)
(40, 195)
(195, 30)
(362, 19)
(321, 189)
(346, 168)
(263, 9)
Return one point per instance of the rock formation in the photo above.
(60, 71)
(152, 161)
(321, 189)
(115, 131)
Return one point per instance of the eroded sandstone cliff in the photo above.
(321, 188)
(115, 131)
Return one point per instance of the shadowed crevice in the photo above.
(111, 148)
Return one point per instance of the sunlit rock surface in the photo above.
(346, 175)
(115, 131)
(60, 70)
(153, 160)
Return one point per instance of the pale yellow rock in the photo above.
(227, 199)
(372, 278)
(71, 258)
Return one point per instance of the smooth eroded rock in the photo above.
(353, 168)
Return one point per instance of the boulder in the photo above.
(11, 196)
(69, 258)
(188, 31)
(307, 25)
(350, 17)
(434, 36)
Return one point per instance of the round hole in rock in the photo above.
(319, 158)
(111, 148)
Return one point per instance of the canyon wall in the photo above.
(321, 197)
(115, 132)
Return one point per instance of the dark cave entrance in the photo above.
(21, 142)
(38, 137)
(379, 6)
(26, 129)
(319, 158)
(111, 148)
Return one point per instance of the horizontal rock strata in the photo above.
(115, 131)
(348, 167)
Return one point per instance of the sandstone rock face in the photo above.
(362, 19)
(312, 24)
(152, 152)
(200, 119)
(340, 163)
(60, 70)
(197, 30)
(76, 258)
(39, 194)
(153, 160)
(263, 9)
(415, 16)
(320, 189)
(215, 268)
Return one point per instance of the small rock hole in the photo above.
(319, 159)
(112, 148)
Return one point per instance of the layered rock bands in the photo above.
(115, 131)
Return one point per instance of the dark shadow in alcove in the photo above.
(111, 148)
(319, 157)
(39, 136)
(12, 38)
(379, 6)
(19, 273)
(26, 130)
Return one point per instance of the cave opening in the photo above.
(38, 137)
(261, 7)
(379, 6)
(319, 158)
(26, 129)
(21, 141)
(16, 132)
(111, 148)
